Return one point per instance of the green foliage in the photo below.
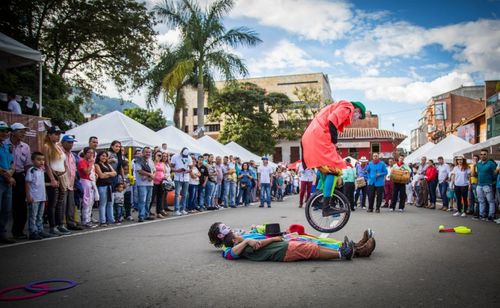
(101, 104)
(204, 43)
(247, 111)
(151, 118)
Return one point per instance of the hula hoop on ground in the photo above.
(42, 290)
(34, 286)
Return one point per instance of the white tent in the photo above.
(418, 153)
(115, 126)
(176, 139)
(447, 148)
(241, 152)
(492, 145)
(214, 146)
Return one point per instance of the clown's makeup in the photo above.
(357, 114)
(223, 231)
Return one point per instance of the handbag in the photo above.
(360, 182)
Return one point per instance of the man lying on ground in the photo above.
(257, 247)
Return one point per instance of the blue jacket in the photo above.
(372, 171)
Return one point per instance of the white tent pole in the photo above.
(40, 88)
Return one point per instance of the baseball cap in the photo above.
(265, 158)
(18, 126)
(4, 126)
(54, 129)
(68, 138)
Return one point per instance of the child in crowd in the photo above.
(119, 201)
(296, 183)
(280, 185)
(127, 205)
(36, 197)
(452, 197)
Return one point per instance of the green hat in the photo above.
(361, 107)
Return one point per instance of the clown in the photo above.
(319, 140)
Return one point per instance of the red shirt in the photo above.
(83, 164)
(431, 174)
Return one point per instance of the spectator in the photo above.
(165, 158)
(181, 164)
(158, 192)
(7, 169)
(265, 178)
(115, 159)
(245, 180)
(145, 169)
(194, 183)
(443, 177)
(56, 169)
(36, 197)
(164, 148)
(388, 185)
(361, 180)
(400, 188)
(128, 195)
(211, 183)
(93, 144)
(421, 185)
(71, 166)
(498, 189)
(377, 170)
(485, 189)
(349, 179)
(229, 183)
(22, 162)
(85, 166)
(119, 201)
(253, 171)
(202, 187)
(13, 106)
(280, 184)
(220, 181)
(105, 174)
(460, 181)
(431, 176)
(473, 200)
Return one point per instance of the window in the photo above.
(195, 111)
(186, 112)
(195, 127)
(375, 148)
(294, 154)
(186, 129)
(278, 155)
(353, 152)
(212, 127)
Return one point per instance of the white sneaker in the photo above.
(449, 210)
(177, 213)
(184, 213)
(391, 210)
(463, 215)
(401, 210)
(497, 221)
(456, 214)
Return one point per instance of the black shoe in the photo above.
(141, 220)
(369, 211)
(75, 228)
(35, 237)
(150, 218)
(21, 236)
(5, 240)
(377, 211)
(353, 209)
(261, 205)
(269, 206)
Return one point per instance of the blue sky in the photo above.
(391, 55)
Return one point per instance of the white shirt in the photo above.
(461, 176)
(14, 107)
(306, 175)
(36, 182)
(196, 180)
(178, 161)
(142, 180)
(443, 172)
(265, 174)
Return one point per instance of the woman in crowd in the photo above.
(431, 176)
(115, 159)
(158, 192)
(165, 158)
(55, 164)
(211, 183)
(460, 179)
(245, 179)
(105, 175)
(85, 165)
(194, 181)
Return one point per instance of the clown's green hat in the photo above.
(361, 107)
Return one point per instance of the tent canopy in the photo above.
(447, 148)
(176, 139)
(214, 146)
(418, 153)
(14, 54)
(241, 152)
(115, 126)
(492, 145)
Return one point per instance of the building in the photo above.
(492, 110)
(358, 142)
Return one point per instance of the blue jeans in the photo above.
(229, 193)
(35, 222)
(265, 194)
(5, 206)
(473, 201)
(432, 191)
(201, 195)
(145, 194)
(193, 197)
(209, 194)
(486, 196)
(443, 188)
(105, 205)
(181, 189)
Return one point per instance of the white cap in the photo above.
(18, 126)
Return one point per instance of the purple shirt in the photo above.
(220, 174)
(22, 155)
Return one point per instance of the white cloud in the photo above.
(171, 37)
(402, 89)
(319, 20)
(285, 55)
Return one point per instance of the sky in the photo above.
(391, 55)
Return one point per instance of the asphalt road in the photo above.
(170, 263)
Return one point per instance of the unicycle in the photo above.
(328, 224)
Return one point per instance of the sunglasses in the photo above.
(483, 154)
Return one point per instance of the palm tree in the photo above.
(204, 44)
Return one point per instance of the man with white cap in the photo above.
(22, 162)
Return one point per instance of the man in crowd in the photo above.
(219, 184)
(349, 178)
(229, 182)
(22, 162)
(71, 165)
(253, 172)
(13, 106)
(202, 187)
(422, 187)
(265, 178)
(145, 169)
(181, 165)
(361, 172)
(485, 189)
(164, 148)
(443, 177)
(211, 183)
(389, 185)
(377, 170)
(7, 169)
(399, 188)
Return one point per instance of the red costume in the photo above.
(318, 149)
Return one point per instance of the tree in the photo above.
(205, 41)
(151, 118)
(297, 118)
(247, 111)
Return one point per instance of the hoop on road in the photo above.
(42, 290)
(34, 286)
(328, 224)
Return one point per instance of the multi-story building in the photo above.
(492, 112)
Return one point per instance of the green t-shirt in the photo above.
(273, 252)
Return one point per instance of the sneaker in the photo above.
(391, 210)
(150, 218)
(104, 225)
(484, 218)
(369, 211)
(262, 205)
(497, 221)
(130, 218)
(491, 218)
(364, 207)
(449, 210)
(184, 212)
(35, 237)
(4, 240)
(177, 213)
(141, 219)
(463, 215)
(117, 223)
(475, 218)
(269, 206)
(44, 235)
(160, 216)
(401, 210)
(90, 226)
(346, 251)
(94, 221)
(456, 214)
(63, 230)
(377, 211)
(55, 232)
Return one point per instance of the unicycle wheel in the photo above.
(332, 223)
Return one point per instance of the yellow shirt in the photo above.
(473, 174)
